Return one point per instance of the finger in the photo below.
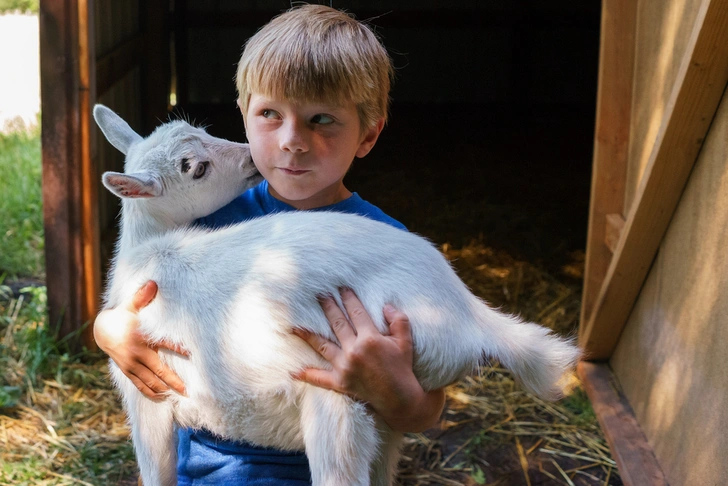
(150, 379)
(360, 319)
(143, 296)
(144, 389)
(169, 378)
(399, 324)
(328, 350)
(177, 348)
(316, 377)
(338, 321)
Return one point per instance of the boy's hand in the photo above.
(116, 331)
(373, 367)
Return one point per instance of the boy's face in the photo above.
(305, 149)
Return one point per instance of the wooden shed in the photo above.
(653, 311)
(489, 61)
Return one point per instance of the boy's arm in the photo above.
(116, 332)
(373, 367)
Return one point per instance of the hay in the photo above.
(492, 432)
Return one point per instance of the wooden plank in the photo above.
(689, 112)
(613, 230)
(89, 175)
(635, 458)
(611, 139)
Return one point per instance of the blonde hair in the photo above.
(317, 53)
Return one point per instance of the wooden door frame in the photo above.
(69, 199)
(71, 77)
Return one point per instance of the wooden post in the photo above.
(611, 139)
(68, 201)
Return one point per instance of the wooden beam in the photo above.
(635, 458)
(89, 175)
(61, 141)
(611, 139)
(699, 87)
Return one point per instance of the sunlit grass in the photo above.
(21, 214)
(60, 421)
(30, 6)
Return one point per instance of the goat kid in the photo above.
(232, 296)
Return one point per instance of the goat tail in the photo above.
(539, 359)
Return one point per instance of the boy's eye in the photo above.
(269, 113)
(322, 119)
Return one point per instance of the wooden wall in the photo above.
(654, 310)
(671, 359)
(662, 31)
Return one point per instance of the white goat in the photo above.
(232, 296)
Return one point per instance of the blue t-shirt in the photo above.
(206, 460)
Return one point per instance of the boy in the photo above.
(313, 88)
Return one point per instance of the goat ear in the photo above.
(132, 185)
(115, 129)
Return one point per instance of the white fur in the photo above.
(232, 296)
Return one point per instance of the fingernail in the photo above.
(389, 308)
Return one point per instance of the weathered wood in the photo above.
(635, 458)
(61, 140)
(688, 114)
(611, 139)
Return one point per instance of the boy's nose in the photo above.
(292, 139)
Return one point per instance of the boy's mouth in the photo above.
(288, 171)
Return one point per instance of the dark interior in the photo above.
(493, 107)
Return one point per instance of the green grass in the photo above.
(21, 214)
(26, 6)
(59, 416)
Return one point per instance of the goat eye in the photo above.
(200, 170)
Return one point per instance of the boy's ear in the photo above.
(370, 138)
(132, 185)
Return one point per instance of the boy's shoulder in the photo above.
(356, 205)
